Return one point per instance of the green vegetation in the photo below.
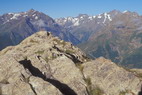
(92, 90)
(80, 66)
(96, 91)
(50, 58)
(46, 59)
(32, 41)
(54, 56)
(0, 91)
(39, 52)
(60, 42)
(88, 81)
(122, 92)
(139, 74)
(133, 59)
(111, 53)
(99, 52)
(69, 51)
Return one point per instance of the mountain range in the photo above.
(114, 35)
(14, 27)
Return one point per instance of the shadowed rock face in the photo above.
(65, 90)
(140, 93)
(45, 65)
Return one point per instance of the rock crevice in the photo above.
(65, 89)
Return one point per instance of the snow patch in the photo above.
(94, 16)
(110, 19)
(76, 23)
(10, 13)
(125, 11)
(36, 17)
(99, 16)
(15, 16)
(81, 17)
(70, 18)
(91, 18)
(105, 15)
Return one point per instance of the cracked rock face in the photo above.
(45, 65)
(111, 78)
(41, 65)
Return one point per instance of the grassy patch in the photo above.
(32, 41)
(0, 91)
(61, 42)
(92, 90)
(39, 52)
(46, 59)
(80, 66)
(53, 57)
(96, 91)
(69, 51)
(123, 92)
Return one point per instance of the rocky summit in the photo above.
(45, 65)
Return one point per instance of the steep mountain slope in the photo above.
(115, 35)
(45, 65)
(14, 27)
(84, 26)
(120, 41)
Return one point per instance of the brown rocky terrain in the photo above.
(45, 65)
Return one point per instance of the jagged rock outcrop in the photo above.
(45, 65)
(114, 80)
(41, 65)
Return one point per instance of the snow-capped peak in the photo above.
(99, 16)
(107, 16)
(15, 16)
(125, 11)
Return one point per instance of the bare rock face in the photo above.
(112, 79)
(45, 65)
(41, 65)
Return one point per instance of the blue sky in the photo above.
(63, 8)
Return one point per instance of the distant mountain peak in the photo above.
(18, 26)
(31, 10)
(82, 15)
(126, 11)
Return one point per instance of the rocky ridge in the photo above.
(45, 65)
